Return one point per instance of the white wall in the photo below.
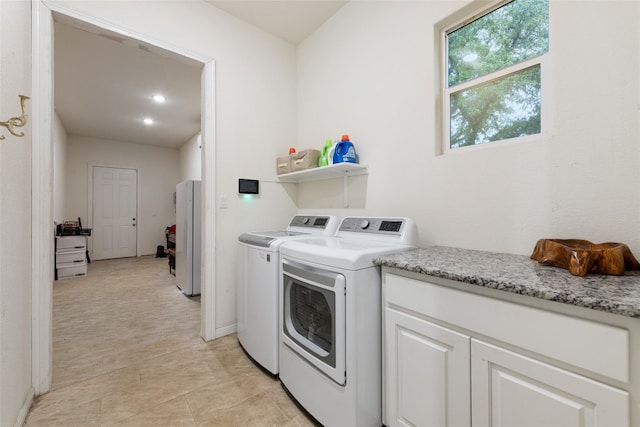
(369, 72)
(191, 159)
(157, 177)
(255, 112)
(59, 171)
(15, 216)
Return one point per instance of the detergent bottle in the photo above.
(344, 151)
(332, 149)
(323, 160)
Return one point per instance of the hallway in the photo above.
(127, 352)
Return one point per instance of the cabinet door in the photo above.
(509, 389)
(426, 373)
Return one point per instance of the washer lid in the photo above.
(276, 233)
(339, 252)
(267, 238)
(300, 226)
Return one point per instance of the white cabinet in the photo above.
(509, 389)
(427, 376)
(71, 256)
(454, 358)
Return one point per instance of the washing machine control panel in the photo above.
(373, 225)
(309, 221)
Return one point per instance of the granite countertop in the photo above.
(521, 275)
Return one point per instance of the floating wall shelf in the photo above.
(339, 170)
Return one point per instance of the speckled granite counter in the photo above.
(521, 275)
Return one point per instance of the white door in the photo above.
(426, 373)
(114, 212)
(509, 389)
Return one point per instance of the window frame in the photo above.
(473, 12)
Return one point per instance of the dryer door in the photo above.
(314, 317)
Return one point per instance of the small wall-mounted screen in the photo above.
(248, 186)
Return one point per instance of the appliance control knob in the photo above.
(305, 220)
(364, 224)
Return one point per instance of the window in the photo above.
(492, 74)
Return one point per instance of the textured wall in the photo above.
(15, 215)
(370, 72)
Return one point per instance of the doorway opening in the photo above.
(43, 33)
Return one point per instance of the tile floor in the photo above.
(127, 352)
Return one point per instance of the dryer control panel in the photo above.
(373, 225)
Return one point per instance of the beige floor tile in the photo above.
(119, 406)
(73, 398)
(173, 413)
(65, 413)
(256, 411)
(207, 401)
(284, 402)
(300, 421)
(127, 352)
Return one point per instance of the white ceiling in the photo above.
(291, 20)
(104, 81)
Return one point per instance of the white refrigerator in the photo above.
(188, 237)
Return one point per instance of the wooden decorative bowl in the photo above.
(581, 257)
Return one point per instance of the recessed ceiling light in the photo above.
(148, 121)
(159, 98)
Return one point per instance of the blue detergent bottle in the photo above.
(344, 152)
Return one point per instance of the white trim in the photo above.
(441, 127)
(139, 222)
(226, 330)
(42, 177)
(496, 75)
(41, 200)
(464, 16)
(24, 410)
(54, 6)
(208, 259)
(472, 12)
(477, 82)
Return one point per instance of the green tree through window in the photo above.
(493, 74)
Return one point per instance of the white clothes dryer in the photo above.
(258, 302)
(330, 338)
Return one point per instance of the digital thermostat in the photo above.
(248, 186)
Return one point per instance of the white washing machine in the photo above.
(258, 302)
(331, 341)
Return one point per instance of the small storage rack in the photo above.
(72, 255)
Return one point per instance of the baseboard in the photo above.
(226, 330)
(24, 411)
